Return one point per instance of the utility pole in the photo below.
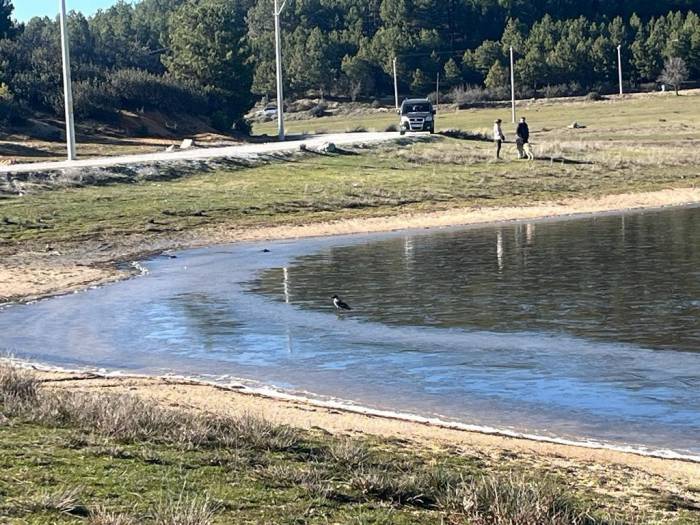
(280, 87)
(512, 84)
(396, 86)
(619, 67)
(437, 102)
(67, 87)
(437, 93)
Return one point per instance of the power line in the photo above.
(454, 52)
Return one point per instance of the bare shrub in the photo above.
(425, 487)
(64, 500)
(318, 111)
(102, 516)
(556, 91)
(391, 127)
(515, 500)
(594, 96)
(465, 95)
(349, 453)
(465, 134)
(18, 389)
(675, 73)
(185, 510)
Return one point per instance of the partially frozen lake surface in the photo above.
(585, 329)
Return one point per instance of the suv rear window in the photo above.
(416, 108)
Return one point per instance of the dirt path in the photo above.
(244, 151)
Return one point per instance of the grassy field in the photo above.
(635, 117)
(634, 145)
(112, 459)
(629, 146)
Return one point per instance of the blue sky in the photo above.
(26, 9)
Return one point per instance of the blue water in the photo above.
(583, 329)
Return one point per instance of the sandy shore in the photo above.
(641, 480)
(31, 275)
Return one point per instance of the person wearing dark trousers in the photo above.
(498, 137)
(523, 141)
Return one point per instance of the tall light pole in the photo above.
(512, 84)
(67, 87)
(396, 86)
(619, 67)
(280, 88)
(437, 92)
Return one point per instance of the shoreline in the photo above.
(336, 418)
(199, 395)
(244, 387)
(30, 276)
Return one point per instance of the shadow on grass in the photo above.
(18, 150)
(564, 160)
(465, 135)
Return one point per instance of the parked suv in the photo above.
(417, 114)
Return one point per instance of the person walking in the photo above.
(498, 137)
(523, 141)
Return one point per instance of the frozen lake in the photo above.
(584, 329)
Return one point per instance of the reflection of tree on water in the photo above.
(499, 250)
(632, 278)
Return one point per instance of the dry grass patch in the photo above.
(102, 516)
(62, 500)
(18, 389)
(185, 510)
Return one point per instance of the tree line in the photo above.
(213, 58)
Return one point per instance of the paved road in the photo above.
(339, 139)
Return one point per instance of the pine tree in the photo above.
(206, 46)
(497, 77)
(420, 84)
(513, 36)
(453, 75)
(7, 25)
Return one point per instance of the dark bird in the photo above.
(339, 304)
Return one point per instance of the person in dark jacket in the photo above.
(523, 141)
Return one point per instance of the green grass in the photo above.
(439, 174)
(623, 118)
(71, 457)
(634, 145)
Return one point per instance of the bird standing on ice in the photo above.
(339, 304)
